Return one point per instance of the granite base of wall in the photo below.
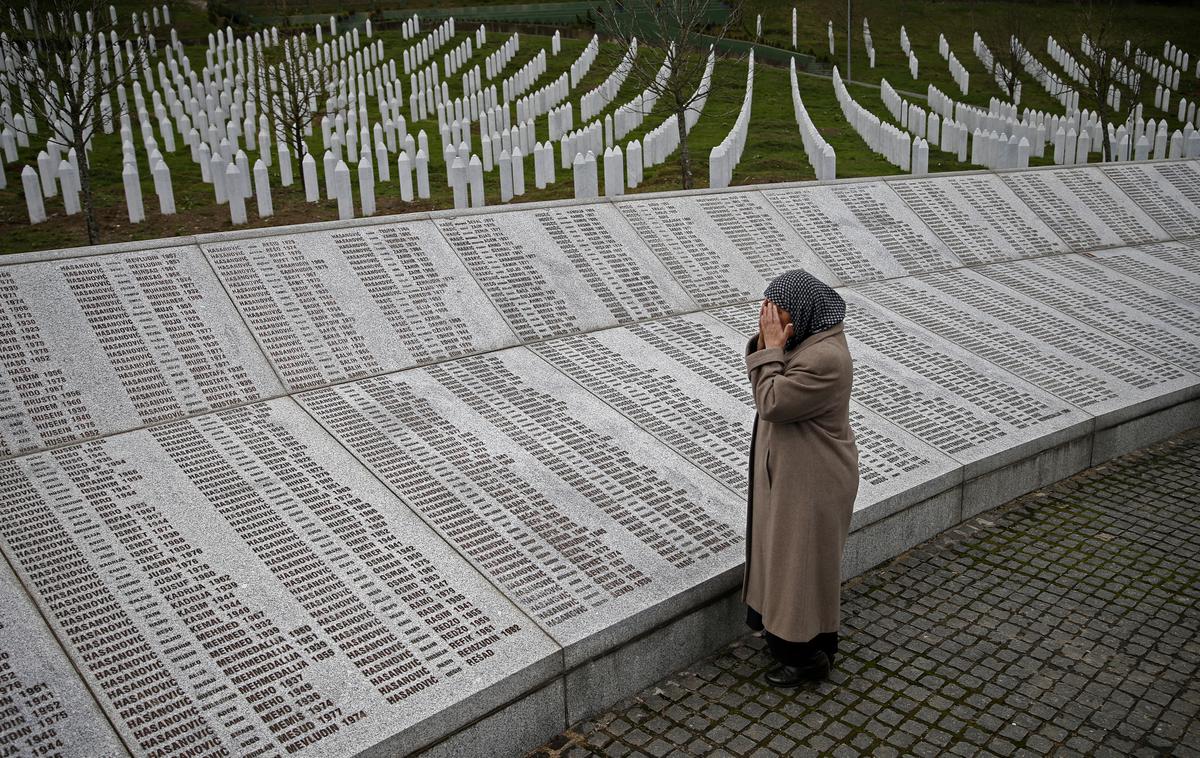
(997, 487)
(1144, 431)
(520, 726)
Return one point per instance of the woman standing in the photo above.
(803, 475)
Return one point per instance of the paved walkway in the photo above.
(1066, 622)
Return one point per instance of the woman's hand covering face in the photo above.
(774, 326)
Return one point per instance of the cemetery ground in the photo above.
(773, 152)
(1065, 622)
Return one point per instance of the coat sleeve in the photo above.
(806, 389)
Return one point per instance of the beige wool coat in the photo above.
(803, 481)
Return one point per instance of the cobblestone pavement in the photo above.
(1064, 622)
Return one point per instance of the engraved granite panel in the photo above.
(978, 217)
(238, 581)
(1139, 314)
(46, 709)
(559, 271)
(1080, 364)
(1084, 207)
(334, 305)
(583, 519)
(862, 230)
(1169, 192)
(1173, 267)
(96, 345)
(723, 248)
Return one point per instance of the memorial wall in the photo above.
(447, 480)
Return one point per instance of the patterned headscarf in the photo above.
(813, 305)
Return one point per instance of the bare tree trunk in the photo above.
(299, 137)
(85, 190)
(685, 155)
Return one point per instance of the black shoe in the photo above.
(794, 676)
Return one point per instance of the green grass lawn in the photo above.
(773, 151)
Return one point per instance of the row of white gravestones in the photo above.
(894, 144)
(544, 98)
(820, 153)
(520, 136)
(416, 56)
(583, 63)
(830, 34)
(494, 120)
(629, 116)
(1153, 141)
(864, 122)
(1187, 113)
(728, 153)
(496, 61)
(556, 43)
(525, 77)
(589, 139)
(457, 57)
(560, 120)
(1162, 98)
(597, 99)
(906, 46)
(1071, 147)
(1035, 126)
(997, 150)
(405, 165)
(1063, 58)
(1164, 73)
(410, 27)
(959, 73)
(467, 109)
(1113, 97)
(794, 30)
(1177, 56)
(895, 104)
(942, 132)
(1144, 141)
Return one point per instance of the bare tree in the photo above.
(63, 63)
(1112, 65)
(685, 30)
(295, 88)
